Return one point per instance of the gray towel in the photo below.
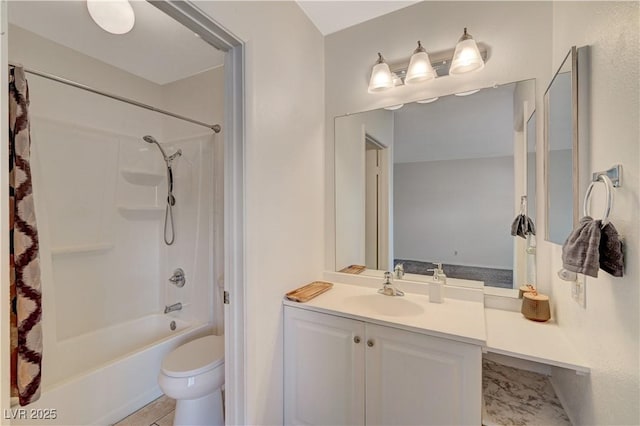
(611, 257)
(581, 251)
(522, 226)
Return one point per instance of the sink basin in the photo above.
(393, 306)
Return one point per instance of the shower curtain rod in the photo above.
(215, 127)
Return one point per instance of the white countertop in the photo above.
(498, 331)
(509, 333)
(454, 319)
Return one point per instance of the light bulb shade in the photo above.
(113, 16)
(466, 58)
(420, 68)
(381, 78)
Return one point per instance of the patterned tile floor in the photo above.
(157, 413)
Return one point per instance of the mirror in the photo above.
(564, 133)
(438, 182)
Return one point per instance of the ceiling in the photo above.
(159, 48)
(330, 16)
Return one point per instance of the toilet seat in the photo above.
(195, 357)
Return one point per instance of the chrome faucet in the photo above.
(387, 287)
(174, 307)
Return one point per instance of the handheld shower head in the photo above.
(151, 139)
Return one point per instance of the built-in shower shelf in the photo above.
(142, 177)
(87, 248)
(141, 212)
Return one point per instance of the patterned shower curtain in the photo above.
(26, 298)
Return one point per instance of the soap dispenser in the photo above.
(436, 288)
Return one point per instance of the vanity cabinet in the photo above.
(340, 371)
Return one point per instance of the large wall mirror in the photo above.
(565, 142)
(439, 181)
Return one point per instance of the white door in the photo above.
(413, 379)
(324, 369)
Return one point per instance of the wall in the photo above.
(199, 247)
(284, 186)
(458, 223)
(517, 34)
(606, 331)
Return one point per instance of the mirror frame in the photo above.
(579, 58)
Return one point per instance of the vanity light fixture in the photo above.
(423, 67)
(381, 78)
(466, 57)
(427, 101)
(420, 68)
(113, 16)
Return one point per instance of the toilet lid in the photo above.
(194, 357)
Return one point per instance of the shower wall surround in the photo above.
(100, 195)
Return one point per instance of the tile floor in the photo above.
(157, 413)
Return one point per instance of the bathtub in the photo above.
(103, 376)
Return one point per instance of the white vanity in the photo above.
(355, 357)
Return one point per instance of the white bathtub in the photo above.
(101, 377)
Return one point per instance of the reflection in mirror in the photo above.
(531, 196)
(437, 182)
(560, 153)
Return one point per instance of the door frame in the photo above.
(192, 17)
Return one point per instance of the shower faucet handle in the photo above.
(178, 279)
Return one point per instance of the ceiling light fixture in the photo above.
(422, 67)
(466, 57)
(467, 93)
(381, 78)
(113, 16)
(394, 107)
(427, 101)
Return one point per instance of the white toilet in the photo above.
(193, 374)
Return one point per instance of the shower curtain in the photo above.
(26, 297)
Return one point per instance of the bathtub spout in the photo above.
(174, 307)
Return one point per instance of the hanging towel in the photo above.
(522, 226)
(581, 251)
(26, 298)
(611, 256)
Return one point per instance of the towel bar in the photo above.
(608, 185)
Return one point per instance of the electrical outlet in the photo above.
(578, 291)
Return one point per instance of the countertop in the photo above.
(498, 331)
(454, 319)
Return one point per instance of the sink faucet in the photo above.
(174, 307)
(387, 287)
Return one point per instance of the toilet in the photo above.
(193, 375)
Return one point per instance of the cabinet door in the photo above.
(413, 379)
(324, 369)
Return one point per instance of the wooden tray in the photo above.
(309, 291)
(353, 269)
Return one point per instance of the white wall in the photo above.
(517, 34)
(284, 179)
(199, 218)
(465, 222)
(606, 331)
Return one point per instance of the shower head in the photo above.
(151, 139)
